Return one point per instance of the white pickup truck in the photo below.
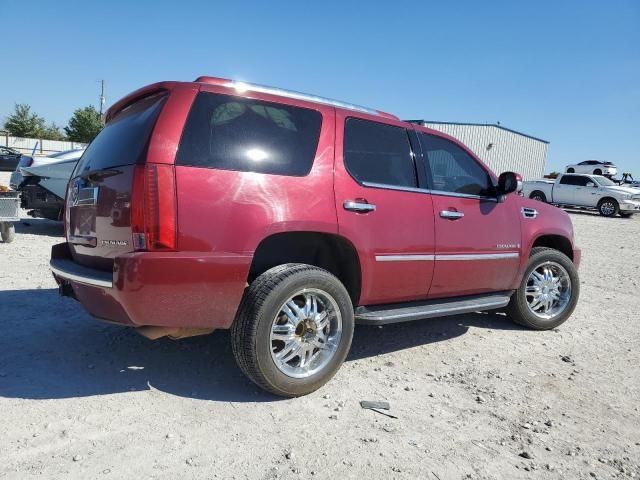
(586, 191)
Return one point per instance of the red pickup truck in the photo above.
(288, 218)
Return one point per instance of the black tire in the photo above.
(597, 171)
(539, 196)
(251, 330)
(571, 170)
(7, 232)
(608, 207)
(518, 309)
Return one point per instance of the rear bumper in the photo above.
(172, 289)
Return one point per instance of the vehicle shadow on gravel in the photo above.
(51, 349)
(39, 226)
(369, 341)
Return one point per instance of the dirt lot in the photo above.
(475, 396)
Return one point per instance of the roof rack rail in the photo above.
(243, 87)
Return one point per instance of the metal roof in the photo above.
(479, 125)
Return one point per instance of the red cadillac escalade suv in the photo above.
(288, 218)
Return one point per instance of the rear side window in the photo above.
(124, 140)
(574, 180)
(453, 169)
(234, 133)
(378, 153)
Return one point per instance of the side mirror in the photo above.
(508, 182)
(591, 184)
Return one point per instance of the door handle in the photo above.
(358, 206)
(450, 215)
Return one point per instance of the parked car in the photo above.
(586, 191)
(43, 183)
(38, 161)
(595, 167)
(9, 158)
(287, 218)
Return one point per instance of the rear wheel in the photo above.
(293, 329)
(7, 232)
(608, 207)
(571, 170)
(548, 293)
(539, 196)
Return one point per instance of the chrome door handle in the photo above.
(450, 215)
(358, 206)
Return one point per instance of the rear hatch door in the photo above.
(98, 200)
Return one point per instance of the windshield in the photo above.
(604, 182)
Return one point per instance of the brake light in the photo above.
(153, 207)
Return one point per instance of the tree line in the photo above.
(84, 125)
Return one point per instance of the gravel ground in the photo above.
(475, 396)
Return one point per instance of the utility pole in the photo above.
(101, 98)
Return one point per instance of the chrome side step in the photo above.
(405, 312)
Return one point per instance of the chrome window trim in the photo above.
(395, 187)
(426, 190)
(463, 195)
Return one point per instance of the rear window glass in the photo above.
(233, 133)
(124, 140)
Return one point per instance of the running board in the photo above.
(405, 312)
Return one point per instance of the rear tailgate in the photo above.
(99, 194)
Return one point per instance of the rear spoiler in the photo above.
(137, 95)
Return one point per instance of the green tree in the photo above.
(84, 125)
(24, 123)
(51, 132)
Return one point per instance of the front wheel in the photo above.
(293, 329)
(548, 293)
(608, 207)
(7, 232)
(571, 170)
(539, 196)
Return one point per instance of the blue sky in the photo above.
(565, 71)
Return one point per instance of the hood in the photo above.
(623, 190)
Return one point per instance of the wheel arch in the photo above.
(608, 198)
(329, 251)
(556, 242)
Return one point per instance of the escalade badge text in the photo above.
(508, 245)
(114, 243)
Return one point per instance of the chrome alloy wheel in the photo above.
(548, 290)
(608, 208)
(305, 333)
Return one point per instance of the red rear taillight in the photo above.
(153, 207)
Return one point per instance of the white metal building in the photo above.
(501, 148)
